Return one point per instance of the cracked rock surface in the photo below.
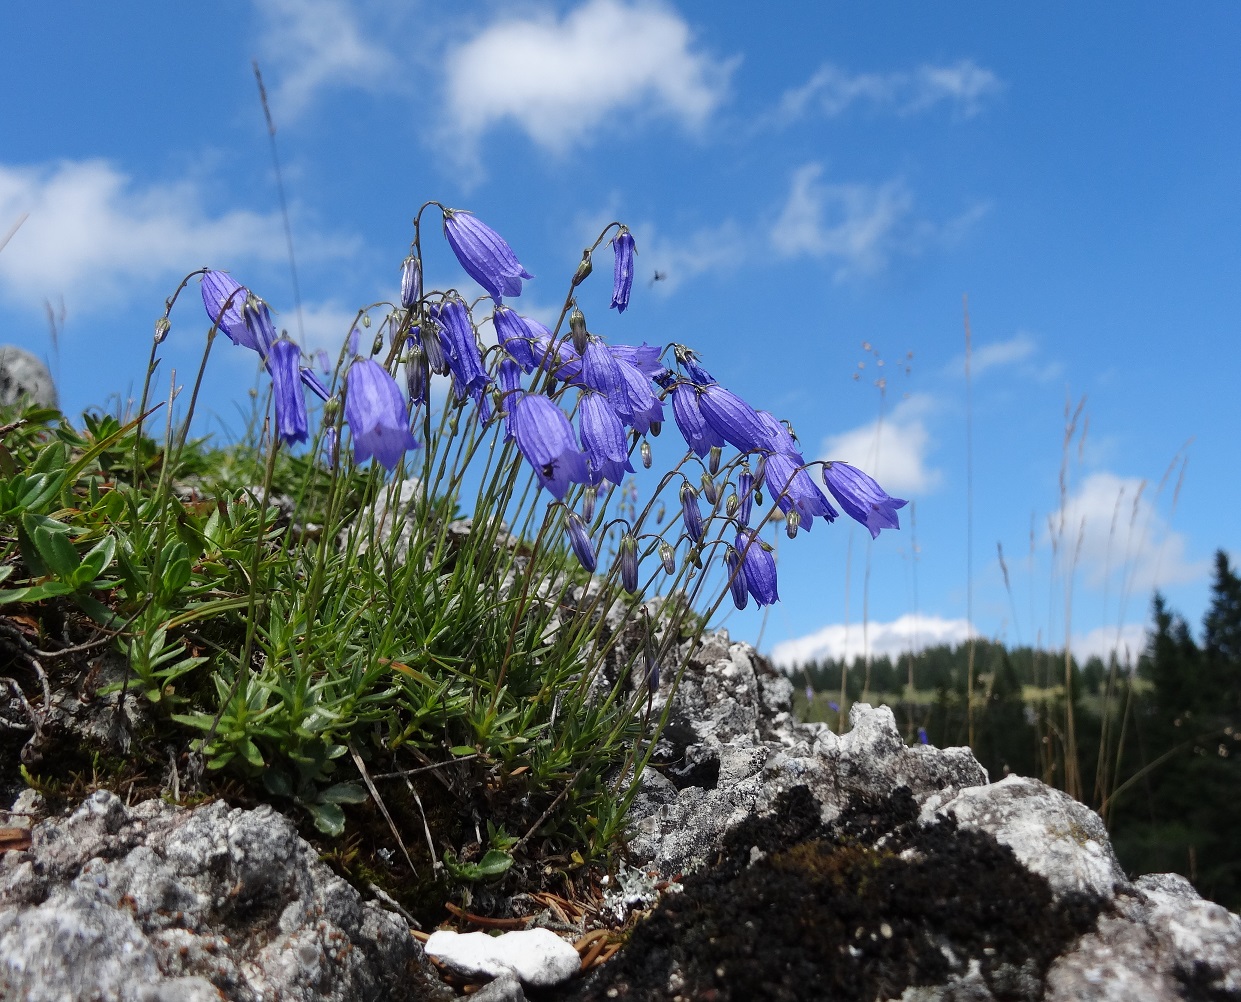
(160, 903)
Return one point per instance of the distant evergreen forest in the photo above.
(1154, 747)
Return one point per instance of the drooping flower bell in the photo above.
(760, 567)
(516, 334)
(260, 332)
(732, 418)
(629, 563)
(545, 438)
(411, 281)
(464, 358)
(736, 578)
(691, 514)
(376, 414)
(793, 489)
(218, 289)
(622, 278)
(698, 434)
(284, 362)
(484, 254)
(862, 498)
(603, 437)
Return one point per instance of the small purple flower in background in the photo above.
(603, 438)
(462, 347)
(736, 579)
(622, 279)
(835, 707)
(732, 418)
(484, 254)
(376, 414)
(862, 498)
(691, 514)
(698, 434)
(579, 540)
(793, 488)
(922, 738)
(219, 288)
(329, 446)
(809, 693)
(284, 362)
(545, 438)
(760, 567)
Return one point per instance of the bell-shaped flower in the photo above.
(218, 289)
(698, 434)
(793, 489)
(736, 578)
(284, 364)
(260, 332)
(376, 414)
(862, 498)
(517, 334)
(411, 281)
(603, 437)
(629, 563)
(732, 418)
(601, 371)
(484, 254)
(622, 278)
(635, 402)
(461, 346)
(745, 496)
(688, 360)
(760, 567)
(579, 540)
(545, 438)
(780, 438)
(644, 357)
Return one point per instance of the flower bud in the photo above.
(411, 281)
(713, 464)
(366, 320)
(745, 488)
(579, 540)
(668, 557)
(645, 451)
(736, 579)
(588, 502)
(792, 521)
(416, 374)
(577, 327)
(629, 563)
(583, 269)
(709, 490)
(760, 469)
(162, 327)
(732, 506)
(691, 515)
(378, 344)
(656, 428)
(437, 361)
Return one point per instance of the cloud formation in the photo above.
(908, 633)
(559, 80)
(964, 86)
(313, 45)
(92, 230)
(893, 449)
(1112, 534)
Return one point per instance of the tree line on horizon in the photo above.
(1153, 745)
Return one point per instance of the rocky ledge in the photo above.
(812, 866)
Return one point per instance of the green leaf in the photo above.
(95, 561)
(343, 793)
(250, 752)
(51, 539)
(493, 864)
(328, 818)
(460, 750)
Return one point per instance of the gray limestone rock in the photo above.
(156, 902)
(23, 376)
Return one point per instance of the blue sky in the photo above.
(821, 190)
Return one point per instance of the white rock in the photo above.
(536, 956)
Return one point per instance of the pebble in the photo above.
(537, 957)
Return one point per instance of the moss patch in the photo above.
(859, 909)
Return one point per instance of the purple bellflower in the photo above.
(260, 331)
(629, 563)
(642, 356)
(745, 497)
(793, 488)
(516, 334)
(698, 434)
(622, 279)
(760, 567)
(688, 360)
(579, 540)
(461, 346)
(484, 254)
(733, 419)
(736, 578)
(691, 514)
(603, 437)
(284, 363)
(545, 438)
(862, 498)
(601, 371)
(644, 408)
(376, 414)
(411, 281)
(219, 288)
(781, 439)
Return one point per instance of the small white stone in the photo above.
(536, 956)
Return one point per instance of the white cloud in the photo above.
(1129, 641)
(831, 90)
(1110, 532)
(312, 45)
(91, 230)
(893, 449)
(679, 259)
(560, 80)
(900, 636)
